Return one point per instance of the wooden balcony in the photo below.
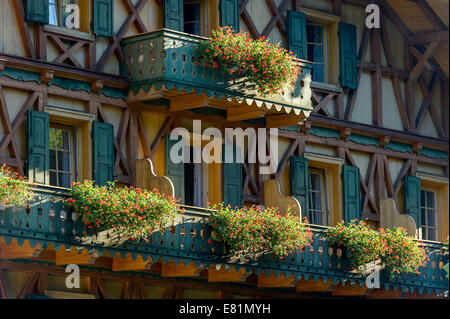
(186, 242)
(160, 66)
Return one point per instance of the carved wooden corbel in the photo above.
(47, 76)
(345, 133)
(96, 86)
(306, 126)
(384, 140)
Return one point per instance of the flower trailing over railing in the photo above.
(14, 189)
(250, 230)
(403, 253)
(269, 68)
(363, 243)
(396, 252)
(134, 213)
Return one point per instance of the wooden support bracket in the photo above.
(189, 101)
(272, 281)
(75, 256)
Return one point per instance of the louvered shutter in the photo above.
(412, 198)
(229, 14)
(348, 55)
(175, 171)
(296, 33)
(103, 152)
(37, 11)
(300, 182)
(232, 178)
(173, 15)
(103, 18)
(38, 157)
(352, 194)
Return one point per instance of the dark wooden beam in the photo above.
(427, 37)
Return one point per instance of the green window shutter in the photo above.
(296, 33)
(173, 15)
(232, 179)
(103, 18)
(229, 14)
(352, 194)
(348, 55)
(103, 152)
(412, 198)
(175, 171)
(37, 11)
(38, 124)
(300, 182)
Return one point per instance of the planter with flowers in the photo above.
(393, 250)
(250, 231)
(15, 191)
(261, 66)
(131, 213)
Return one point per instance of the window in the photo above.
(318, 205)
(57, 11)
(192, 22)
(62, 159)
(316, 49)
(429, 215)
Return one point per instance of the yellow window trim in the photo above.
(332, 43)
(83, 123)
(332, 167)
(439, 185)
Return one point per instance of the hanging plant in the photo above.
(403, 253)
(14, 189)
(267, 67)
(134, 213)
(250, 230)
(397, 252)
(363, 244)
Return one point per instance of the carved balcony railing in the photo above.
(188, 239)
(166, 59)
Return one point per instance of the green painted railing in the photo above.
(45, 221)
(166, 57)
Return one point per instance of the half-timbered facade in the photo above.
(362, 134)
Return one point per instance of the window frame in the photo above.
(324, 45)
(331, 52)
(332, 167)
(85, 32)
(439, 185)
(82, 124)
(72, 151)
(423, 206)
(322, 172)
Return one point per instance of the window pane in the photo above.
(318, 73)
(52, 137)
(430, 199)
(318, 218)
(424, 218)
(431, 215)
(314, 33)
(64, 180)
(192, 28)
(315, 53)
(65, 140)
(191, 12)
(315, 182)
(53, 15)
(422, 197)
(53, 179)
(431, 234)
(58, 138)
(52, 159)
(317, 201)
(64, 161)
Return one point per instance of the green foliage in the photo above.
(269, 68)
(396, 251)
(252, 230)
(133, 212)
(364, 244)
(14, 190)
(403, 254)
